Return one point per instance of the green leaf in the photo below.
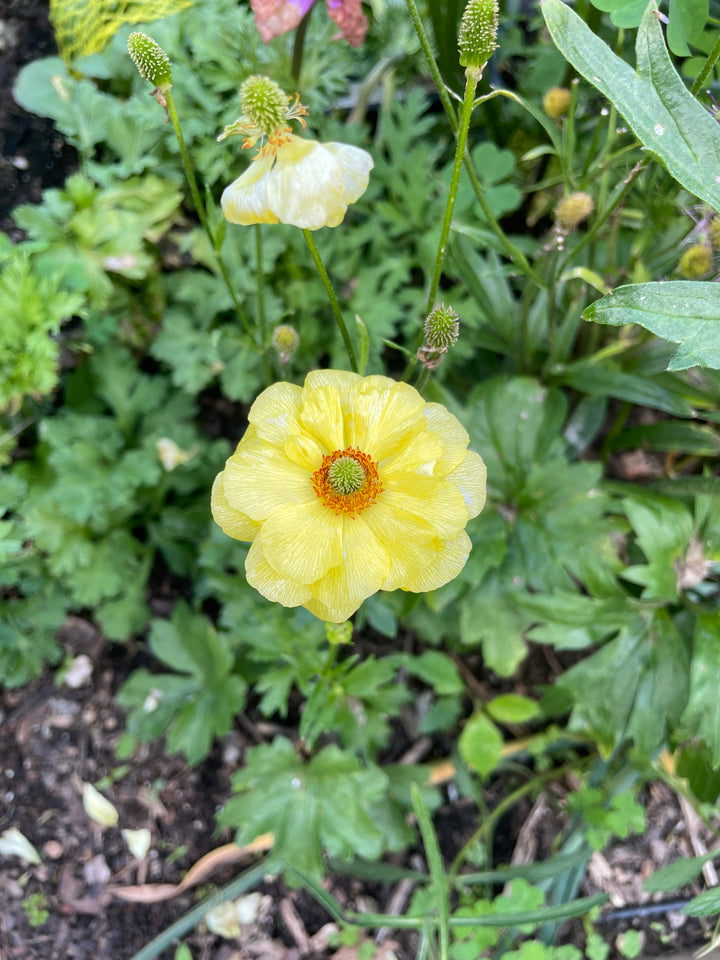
(672, 436)
(437, 670)
(702, 714)
(512, 708)
(693, 762)
(655, 102)
(707, 904)
(606, 380)
(682, 311)
(312, 805)
(677, 875)
(663, 528)
(480, 744)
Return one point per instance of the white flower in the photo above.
(300, 182)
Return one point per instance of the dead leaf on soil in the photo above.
(198, 873)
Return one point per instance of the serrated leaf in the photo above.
(663, 528)
(702, 714)
(655, 102)
(437, 670)
(321, 803)
(480, 744)
(682, 311)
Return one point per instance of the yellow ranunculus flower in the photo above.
(300, 182)
(346, 486)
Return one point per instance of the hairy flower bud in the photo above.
(286, 341)
(478, 33)
(150, 59)
(572, 210)
(441, 328)
(556, 102)
(696, 261)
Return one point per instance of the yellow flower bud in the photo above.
(572, 210)
(478, 33)
(696, 261)
(286, 341)
(556, 102)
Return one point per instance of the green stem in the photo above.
(432, 64)
(707, 69)
(200, 207)
(472, 77)
(299, 46)
(260, 282)
(352, 356)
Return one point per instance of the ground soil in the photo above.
(55, 737)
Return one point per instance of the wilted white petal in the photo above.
(138, 842)
(15, 844)
(98, 807)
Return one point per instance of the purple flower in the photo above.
(274, 17)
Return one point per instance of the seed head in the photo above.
(478, 33)
(150, 59)
(441, 328)
(572, 210)
(556, 102)
(264, 103)
(696, 261)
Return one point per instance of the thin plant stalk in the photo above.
(332, 297)
(702, 78)
(200, 207)
(299, 47)
(260, 282)
(472, 77)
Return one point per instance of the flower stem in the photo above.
(701, 78)
(432, 63)
(200, 207)
(260, 281)
(472, 77)
(332, 298)
(299, 47)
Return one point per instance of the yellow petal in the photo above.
(275, 412)
(304, 542)
(386, 416)
(356, 165)
(409, 543)
(448, 559)
(342, 379)
(364, 569)
(438, 503)
(454, 437)
(245, 201)
(232, 522)
(260, 479)
(417, 458)
(269, 583)
(471, 478)
(322, 418)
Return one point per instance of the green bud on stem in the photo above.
(478, 33)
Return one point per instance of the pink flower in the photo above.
(274, 17)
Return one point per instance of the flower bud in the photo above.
(150, 59)
(478, 33)
(696, 262)
(556, 102)
(337, 633)
(572, 210)
(286, 341)
(264, 103)
(441, 328)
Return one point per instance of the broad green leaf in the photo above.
(437, 670)
(670, 435)
(321, 803)
(677, 875)
(480, 744)
(702, 715)
(693, 762)
(686, 20)
(633, 685)
(682, 311)
(606, 380)
(657, 105)
(663, 528)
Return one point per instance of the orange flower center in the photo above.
(347, 481)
